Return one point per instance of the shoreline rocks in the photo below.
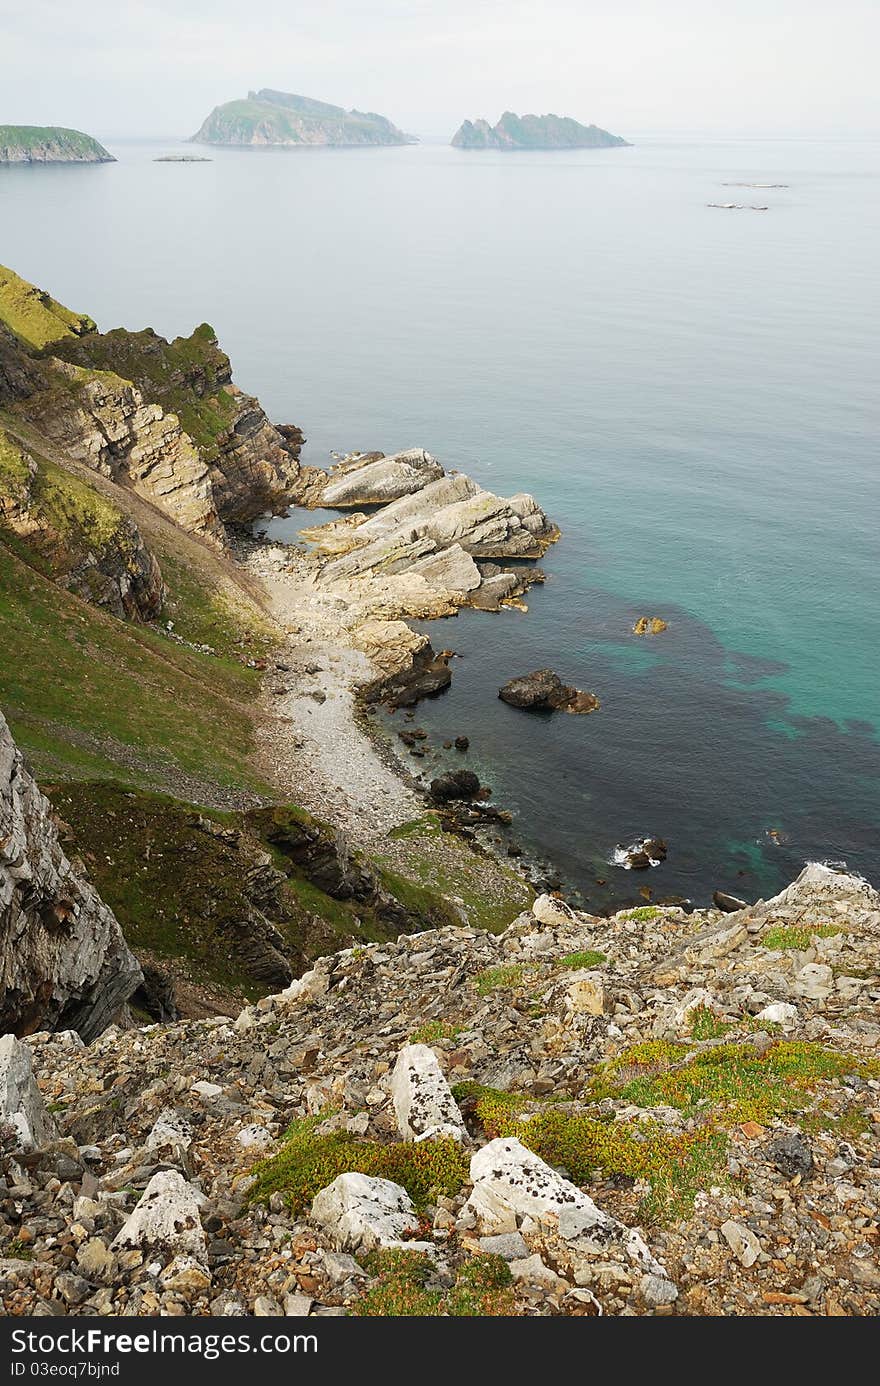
(544, 691)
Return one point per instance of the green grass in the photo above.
(704, 1024)
(308, 1162)
(405, 1286)
(498, 978)
(731, 1083)
(435, 1032)
(643, 914)
(588, 958)
(782, 937)
(421, 901)
(31, 313)
(83, 691)
(428, 826)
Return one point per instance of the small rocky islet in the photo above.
(277, 1043)
(534, 132)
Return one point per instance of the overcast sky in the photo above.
(143, 67)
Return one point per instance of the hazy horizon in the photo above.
(155, 69)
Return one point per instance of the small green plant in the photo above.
(403, 1288)
(497, 978)
(643, 914)
(704, 1024)
(308, 1162)
(781, 937)
(589, 958)
(435, 1032)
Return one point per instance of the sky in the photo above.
(119, 68)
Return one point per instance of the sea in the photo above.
(689, 390)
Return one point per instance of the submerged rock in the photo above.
(638, 856)
(650, 625)
(544, 691)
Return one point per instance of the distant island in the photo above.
(182, 159)
(281, 118)
(533, 132)
(49, 144)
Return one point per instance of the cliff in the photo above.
(533, 132)
(63, 961)
(49, 144)
(280, 118)
(162, 417)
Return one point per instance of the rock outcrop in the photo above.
(544, 691)
(81, 538)
(365, 482)
(63, 961)
(21, 1103)
(161, 417)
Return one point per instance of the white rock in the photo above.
(170, 1128)
(533, 1271)
(297, 1306)
(553, 913)
(780, 1013)
(166, 1219)
(21, 1102)
(815, 981)
(361, 1212)
(254, 1135)
(742, 1242)
(305, 989)
(585, 994)
(207, 1090)
(657, 1291)
(511, 1182)
(423, 1101)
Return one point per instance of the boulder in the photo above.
(21, 1103)
(815, 981)
(780, 1013)
(585, 993)
(423, 1102)
(170, 1128)
(649, 625)
(383, 479)
(455, 784)
(554, 913)
(361, 1212)
(544, 691)
(166, 1221)
(512, 1185)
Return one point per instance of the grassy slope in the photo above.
(32, 137)
(33, 315)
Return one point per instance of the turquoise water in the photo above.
(690, 392)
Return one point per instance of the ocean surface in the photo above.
(690, 392)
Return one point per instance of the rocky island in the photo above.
(533, 132)
(281, 118)
(49, 144)
(279, 1041)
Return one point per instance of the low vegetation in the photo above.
(405, 1285)
(308, 1162)
(781, 938)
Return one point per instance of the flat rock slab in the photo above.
(423, 1101)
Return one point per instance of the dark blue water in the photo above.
(690, 392)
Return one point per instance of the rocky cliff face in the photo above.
(533, 132)
(63, 961)
(77, 536)
(49, 144)
(163, 417)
